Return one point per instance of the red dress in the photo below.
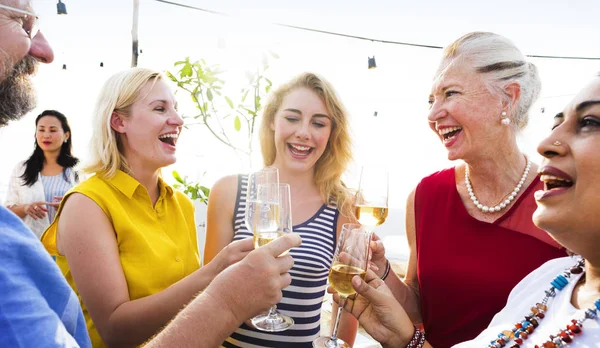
(466, 268)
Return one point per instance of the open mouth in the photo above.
(170, 138)
(449, 133)
(552, 182)
(299, 150)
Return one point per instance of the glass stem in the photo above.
(273, 312)
(337, 322)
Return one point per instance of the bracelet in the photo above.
(415, 341)
(387, 270)
(422, 340)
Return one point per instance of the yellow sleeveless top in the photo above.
(157, 245)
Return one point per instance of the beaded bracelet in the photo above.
(387, 270)
(418, 339)
(414, 341)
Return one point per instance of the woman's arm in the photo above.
(407, 291)
(92, 252)
(219, 222)
(37, 210)
(380, 314)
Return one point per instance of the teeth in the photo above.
(547, 177)
(164, 136)
(300, 148)
(444, 131)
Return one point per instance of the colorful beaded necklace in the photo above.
(526, 327)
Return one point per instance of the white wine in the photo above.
(261, 239)
(340, 277)
(370, 216)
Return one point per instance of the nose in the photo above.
(552, 146)
(303, 132)
(41, 49)
(175, 119)
(436, 112)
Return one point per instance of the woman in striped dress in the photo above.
(37, 185)
(304, 133)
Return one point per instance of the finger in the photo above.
(286, 280)
(373, 266)
(284, 263)
(370, 276)
(281, 244)
(375, 237)
(58, 198)
(244, 245)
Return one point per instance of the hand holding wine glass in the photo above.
(268, 216)
(351, 258)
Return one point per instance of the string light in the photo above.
(361, 37)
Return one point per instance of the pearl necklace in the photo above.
(505, 203)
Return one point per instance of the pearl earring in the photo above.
(505, 120)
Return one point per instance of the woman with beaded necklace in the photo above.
(472, 223)
(559, 303)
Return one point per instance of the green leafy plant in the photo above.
(225, 117)
(193, 189)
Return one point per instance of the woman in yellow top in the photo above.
(125, 240)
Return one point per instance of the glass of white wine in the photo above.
(268, 209)
(371, 207)
(351, 258)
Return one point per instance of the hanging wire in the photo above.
(360, 37)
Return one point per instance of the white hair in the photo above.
(501, 63)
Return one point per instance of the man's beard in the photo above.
(17, 96)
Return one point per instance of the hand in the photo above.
(231, 254)
(254, 284)
(55, 202)
(36, 210)
(378, 311)
(378, 261)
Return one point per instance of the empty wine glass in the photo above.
(371, 207)
(351, 258)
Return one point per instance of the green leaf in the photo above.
(177, 177)
(209, 94)
(237, 124)
(186, 70)
(229, 102)
(245, 95)
(274, 55)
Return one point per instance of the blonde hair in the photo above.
(337, 155)
(118, 93)
(500, 63)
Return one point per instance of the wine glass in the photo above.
(268, 216)
(351, 258)
(371, 207)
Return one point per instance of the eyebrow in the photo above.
(586, 104)
(300, 113)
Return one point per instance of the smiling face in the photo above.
(302, 127)
(149, 135)
(463, 113)
(49, 134)
(568, 207)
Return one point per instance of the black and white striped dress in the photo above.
(303, 298)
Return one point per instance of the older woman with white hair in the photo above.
(471, 224)
(558, 304)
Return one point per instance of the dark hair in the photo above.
(35, 162)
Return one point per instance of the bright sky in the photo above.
(97, 31)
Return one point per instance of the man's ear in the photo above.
(116, 122)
